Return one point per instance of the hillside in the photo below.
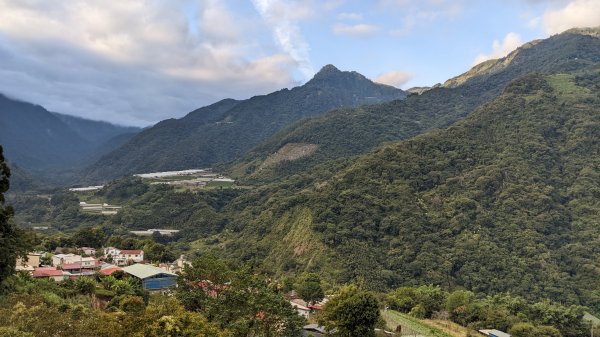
(40, 141)
(96, 132)
(225, 130)
(504, 201)
(345, 132)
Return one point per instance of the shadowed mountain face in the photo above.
(226, 130)
(345, 132)
(37, 140)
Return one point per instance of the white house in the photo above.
(88, 263)
(60, 259)
(88, 251)
(112, 251)
(124, 257)
(302, 310)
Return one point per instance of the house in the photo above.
(89, 251)
(28, 263)
(176, 266)
(112, 251)
(126, 257)
(60, 259)
(302, 310)
(50, 273)
(123, 257)
(110, 270)
(89, 263)
(494, 333)
(153, 278)
(72, 268)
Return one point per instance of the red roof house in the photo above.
(49, 272)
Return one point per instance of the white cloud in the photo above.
(135, 61)
(500, 49)
(350, 16)
(282, 17)
(358, 30)
(577, 13)
(394, 78)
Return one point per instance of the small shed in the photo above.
(494, 333)
(153, 278)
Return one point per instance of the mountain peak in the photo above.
(327, 72)
(331, 74)
(329, 69)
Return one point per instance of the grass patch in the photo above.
(394, 318)
(565, 84)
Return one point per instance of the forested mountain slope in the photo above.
(346, 132)
(38, 140)
(504, 201)
(97, 132)
(227, 129)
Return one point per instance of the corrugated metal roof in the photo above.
(498, 333)
(143, 271)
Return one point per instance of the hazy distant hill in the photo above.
(227, 129)
(345, 132)
(38, 140)
(96, 132)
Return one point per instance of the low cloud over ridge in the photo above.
(133, 62)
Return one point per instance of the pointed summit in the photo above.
(328, 69)
(328, 72)
(331, 75)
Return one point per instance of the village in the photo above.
(88, 262)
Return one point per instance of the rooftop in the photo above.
(143, 271)
(70, 266)
(109, 270)
(47, 271)
(494, 333)
(132, 251)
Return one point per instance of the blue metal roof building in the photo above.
(153, 278)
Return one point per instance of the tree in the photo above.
(352, 312)
(85, 285)
(529, 330)
(236, 299)
(89, 236)
(309, 288)
(12, 239)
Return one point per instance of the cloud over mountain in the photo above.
(501, 48)
(134, 62)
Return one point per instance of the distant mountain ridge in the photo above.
(225, 130)
(38, 140)
(347, 132)
(96, 132)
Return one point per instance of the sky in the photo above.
(136, 62)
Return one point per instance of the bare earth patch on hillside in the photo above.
(289, 152)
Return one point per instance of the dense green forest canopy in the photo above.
(503, 201)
